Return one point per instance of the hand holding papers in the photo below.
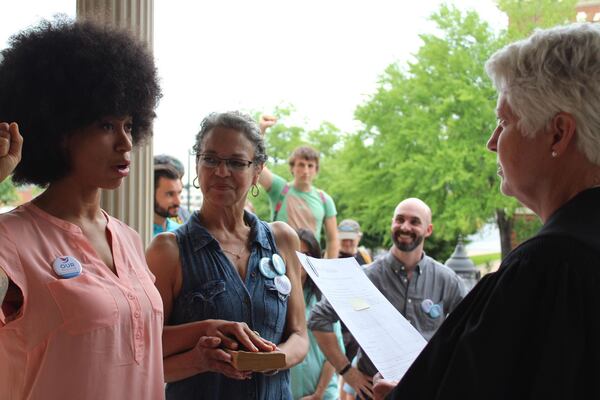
(389, 340)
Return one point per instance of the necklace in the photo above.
(237, 254)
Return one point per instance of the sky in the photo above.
(323, 57)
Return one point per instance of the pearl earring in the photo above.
(554, 154)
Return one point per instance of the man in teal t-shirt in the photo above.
(299, 203)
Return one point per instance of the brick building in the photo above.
(588, 10)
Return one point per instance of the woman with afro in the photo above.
(80, 317)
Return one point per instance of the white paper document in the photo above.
(389, 340)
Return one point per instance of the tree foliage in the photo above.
(526, 15)
(8, 194)
(425, 134)
(425, 131)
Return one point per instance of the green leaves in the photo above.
(8, 193)
(526, 15)
(428, 124)
(425, 132)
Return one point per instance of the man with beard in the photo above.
(167, 192)
(183, 214)
(422, 289)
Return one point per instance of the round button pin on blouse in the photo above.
(67, 267)
(266, 269)
(278, 264)
(435, 311)
(426, 305)
(283, 284)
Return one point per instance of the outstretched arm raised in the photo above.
(11, 143)
(266, 176)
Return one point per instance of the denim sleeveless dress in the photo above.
(213, 289)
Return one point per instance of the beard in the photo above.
(407, 247)
(165, 212)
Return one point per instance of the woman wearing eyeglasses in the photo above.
(225, 263)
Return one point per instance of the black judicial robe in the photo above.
(531, 330)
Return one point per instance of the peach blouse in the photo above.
(93, 336)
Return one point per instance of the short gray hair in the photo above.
(238, 121)
(554, 70)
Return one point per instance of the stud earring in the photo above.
(554, 154)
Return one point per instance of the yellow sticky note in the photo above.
(359, 304)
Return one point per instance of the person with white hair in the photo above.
(530, 330)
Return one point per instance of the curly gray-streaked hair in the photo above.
(238, 121)
(554, 70)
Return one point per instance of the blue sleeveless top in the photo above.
(213, 289)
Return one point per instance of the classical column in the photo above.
(133, 202)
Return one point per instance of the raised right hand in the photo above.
(266, 121)
(11, 143)
(361, 383)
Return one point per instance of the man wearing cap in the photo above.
(349, 235)
(422, 289)
(299, 203)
